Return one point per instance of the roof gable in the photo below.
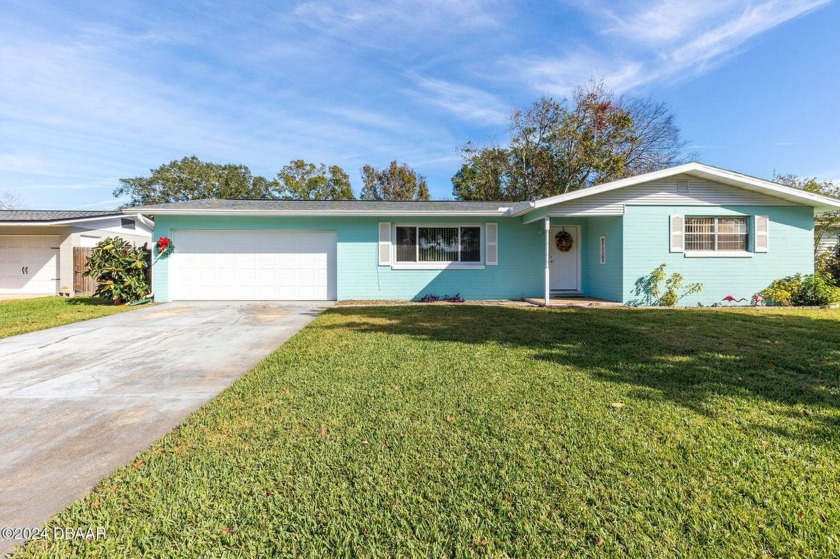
(699, 171)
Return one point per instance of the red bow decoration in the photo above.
(164, 248)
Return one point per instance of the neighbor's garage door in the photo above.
(28, 264)
(253, 265)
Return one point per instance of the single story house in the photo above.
(43, 252)
(733, 233)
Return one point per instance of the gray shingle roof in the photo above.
(327, 206)
(52, 215)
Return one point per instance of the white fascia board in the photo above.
(142, 219)
(521, 208)
(823, 203)
(333, 213)
(57, 222)
(32, 223)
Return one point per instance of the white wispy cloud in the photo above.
(669, 39)
(559, 76)
(76, 116)
(90, 95)
(467, 102)
(400, 16)
(660, 22)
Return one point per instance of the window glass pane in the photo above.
(470, 244)
(733, 233)
(699, 233)
(438, 244)
(406, 244)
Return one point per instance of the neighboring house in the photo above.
(733, 233)
(38, 248)
(830, 240)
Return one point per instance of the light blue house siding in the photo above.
(647, 245)
(518, 274)
(604, 281)
(636, 243)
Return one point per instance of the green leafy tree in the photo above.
(823, 222)
(191, 179)
(483, 176)
(395, 182)
(561, 146)
(120, 269)
(300, 180)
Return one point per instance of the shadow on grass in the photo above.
(687, 356)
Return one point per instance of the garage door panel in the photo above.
(29, 264)
(253, 265)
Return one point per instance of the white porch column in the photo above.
(547, 260)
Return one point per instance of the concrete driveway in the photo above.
(79, 400)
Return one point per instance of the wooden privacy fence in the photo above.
(82, 285)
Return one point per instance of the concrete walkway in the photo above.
(78, 401)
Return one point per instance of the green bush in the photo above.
(658, 289)
(121, 270)
(781, 291)
(829, 263)
(814, 290)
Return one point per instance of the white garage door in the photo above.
(253, 265)
(28, 264)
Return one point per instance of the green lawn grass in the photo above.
(500, 431)
(19, 316)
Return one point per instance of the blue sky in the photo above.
(94, 91)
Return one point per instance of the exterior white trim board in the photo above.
(61, 222)
(441, 266)
(717, 254)
(332, 213)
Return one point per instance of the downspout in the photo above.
(547, 260)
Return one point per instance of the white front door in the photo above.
(29, 264)
(252, 265)
(564, 266)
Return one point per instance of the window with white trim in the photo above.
(713, 234)
(438, 244)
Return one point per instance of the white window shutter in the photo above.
(491, 241)
(762, 233)
(677, 233)
(384, 243)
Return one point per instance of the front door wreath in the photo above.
(564, 241)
